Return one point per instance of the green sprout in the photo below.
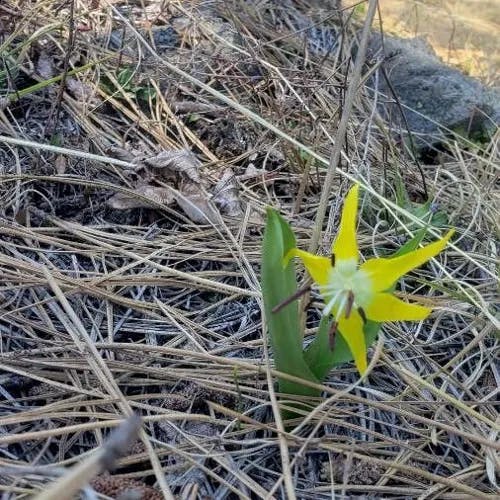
(125, 86)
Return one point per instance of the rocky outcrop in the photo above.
(436, 99)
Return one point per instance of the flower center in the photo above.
(347, 288)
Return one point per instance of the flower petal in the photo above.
(318, 267)
(385, 272)
(351, 329)
(346, 245)
(386, 307)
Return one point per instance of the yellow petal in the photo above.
(345, 245)
(351, 330)
(385, 272)
(318, 267)
(386, 307)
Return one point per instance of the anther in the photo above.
(362, 313)
(332, 335)
(350, 303)
(332, 259)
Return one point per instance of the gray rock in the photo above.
(436, 99)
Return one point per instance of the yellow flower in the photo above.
(353, 294)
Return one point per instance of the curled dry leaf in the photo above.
(82, 92)
(4, 102)
(200, 33)
(195, 202)
(121, 153)
(197, 107)
(60, 164)
(182, 167)
(226, 195)
(142, 197)
(180, 161)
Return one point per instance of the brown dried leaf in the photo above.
(82, 92)
(123, 487)
(61, 163)
(180, 161)
(122, 154)
(125, 201)
(195, 203)
(197, 107)
(226, 195)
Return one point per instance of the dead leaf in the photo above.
(195, 203)
(82, 92)
(180, 161)
(140, 198)
(123, 154)
(251, 170)
(191, 195)
(226, 194)
(60, 164)
(198, 107)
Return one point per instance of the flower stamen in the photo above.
(331, 304)
(362, 313)
(332, 335)
(342, 306)
(299, 293)
(350, 303)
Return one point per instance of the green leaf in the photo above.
(425, 211)
(321, 358)
(124, 77)
(146, 93)
(278, 284)
(412, 244)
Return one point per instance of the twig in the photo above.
(104, 459)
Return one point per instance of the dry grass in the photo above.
(105, 312)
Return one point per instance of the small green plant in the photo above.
(357, 298)
(124, 85)
(427, 211)
(474, 139)
(359, 10)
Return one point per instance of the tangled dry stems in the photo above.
(106, 311)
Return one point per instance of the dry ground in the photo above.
(107, 309)
(464, 33)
